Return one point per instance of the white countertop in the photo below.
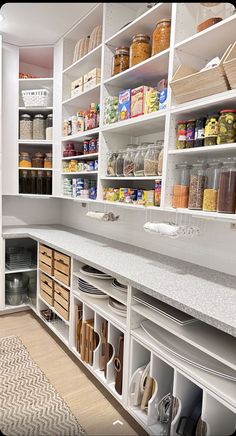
(207, 294)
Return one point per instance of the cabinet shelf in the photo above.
(203, 214)
(86, 63)
(38, 83)
(141, 125)
(223, 149)
(34, 142)
(213, 102)
(81, 135)
(35, 169)
(20, 270)
(84, 99)
(82, 156)
(54, 310)
(81, 173)
(131, 178)
(37, 109)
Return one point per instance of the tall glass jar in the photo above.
(49, 124)
(227, 127)
(161, 36)
(111, 164)
(181, 188)
(160, 161)
(129, 162)
(38, 160)
(139, 161)
(41, 183)
(151, 161)
(48, 160)
(24, 182)
(227, 187)
(211, 130)
(197, 183)
(120, 60)
(39, 127)
(48, 183)
(24, 159)
(211, 186)
(33, 181)
(140, 49)
(26, 126)
(199, 132)
(120, 164)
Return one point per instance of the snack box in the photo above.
(140, 197)
(151, 103)
(77, 86)
(157, 193)
(162, 88)
(124, 105)
(148, 197)
(144, 100)
(112, 194)
(128, 195)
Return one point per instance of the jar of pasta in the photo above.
(181, 188)
(227, 127)
(211, 186)
(120, 60)
(197, 184)
(161, 36)
(140, 49)
(26, 126)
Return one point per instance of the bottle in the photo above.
(181, 188)
(211, 186)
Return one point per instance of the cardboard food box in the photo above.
(77, 86)
(157, 192)
(124, 105)
(148, 197)
(151, 103)
(92, 78)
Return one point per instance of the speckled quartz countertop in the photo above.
(201, 292)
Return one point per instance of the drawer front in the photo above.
(62, 267)
(61, 301)
(45, 279)
(46, 268)
(62, 258)
(45, 259)
(45, 250)
(64, 313)
(61, 291)
(46, 288)
(62, 277)
(46, 297)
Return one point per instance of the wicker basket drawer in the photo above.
(63, 278)
(46, 251)
(60, 300)
(46, 268)
(63, 312)
(65, 269)
(64, 293)
(47, 298)
(62, 258)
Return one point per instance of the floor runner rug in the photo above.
(29, 404)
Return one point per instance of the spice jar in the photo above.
(111, 164)
(227, 127)
(211, 130)
(161, 36)
(227, 187)
(120, 164)
(120, 60)
(190, 134)
(49, 122)
(38, 160)
(48, 160)
(151, 161)
(24, 160)
(197, 183)
(199, 132)
(140, 49)
(39, 127)
(139, 161)
(26, 126)
(129, 162)
(211, 186)
(181, 134)
(181, 188)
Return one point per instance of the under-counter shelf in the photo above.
(52, 308)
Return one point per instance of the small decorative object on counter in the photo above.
(49, 123)
(157, 193)
(129, 162)
(26, 126)
(140, 49)
(199, 132)
(39, 127)
(48, 160)
(211, 186)
(227, 127)
(181, 134)
(162, 88)
(151, 161)
(124, 105)
(111, 164)
(24, 160)
(211, 130)
(120, 60)
(190, 134)
(227, 187)
(120, 164)
(38, 160)
(161, 36)
(197, 183)
(181, 189)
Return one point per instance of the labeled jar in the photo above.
(199, 132)
(197, 184)
(24, 160)
(111, 164)
(26, 126)
(140, 49)
(120, 60)
(190, 134)
(139, 161)
(181, 134)
(181, 188)
(39, 127)
(49, 123)
(129, 162)
(227, 187)
(151, 161)
(120, 164)
(48, 160)
(161, 36)
(211, 186)
(38, 160)
(211, 130)
(227, 127)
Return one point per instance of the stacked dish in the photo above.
(119, 286)
(91, 290)
(117, 307)
(95, 273)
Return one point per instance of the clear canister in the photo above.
(161, 36)
(139, 161)
(26, 126)
(227, 187)
(48, 160)
(24, 160)
(140, 49)
(181, 188)
(211, 186)
(151, 161)
(39, 127)
(49, 125)
(197, 183)
(111, 163)
(120, 164)
(129, 162)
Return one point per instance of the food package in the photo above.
(151, 103)
(77, 86)
(124, 105)
(162, 88)
(148, 197)
(92, 78)
(140, 197)
(111, 194)
(128, 195)
(144, 100)
(111, 110)
(157, 192)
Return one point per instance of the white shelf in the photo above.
(86, 63)
(203, 214)
(131, 178)
(14, 271)
(80, 200)
(34, 142)
(82, 173)
(141, 125)
(81, 135)
(35, 196)
(211, 103)
(223, 149)
(83, 100)
(56, 328)
(54, 310)
(36, 109)
(35, 169)
(55, 279)
(82, 157)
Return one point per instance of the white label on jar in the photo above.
(200, 134)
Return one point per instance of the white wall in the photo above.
(19, 211)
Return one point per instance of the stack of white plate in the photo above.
(117, 307)
(95, 273)
(119, 286)
(90, 290)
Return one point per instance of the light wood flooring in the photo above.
(94, 407)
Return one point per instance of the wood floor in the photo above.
(94, 407)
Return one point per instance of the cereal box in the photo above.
(124, 105)
(157, 192)
(149, 198)
(138, 101)
(151, 103)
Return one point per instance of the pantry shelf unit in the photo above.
(212, 103)
(84, 173)
(84, 99)
(141, 125)
(131, 178)
(222, 149)
(203, 214)
(84, 64)
(82, 156)
(88, 134)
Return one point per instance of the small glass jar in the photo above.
(48, 160)
(139, 161)
(151, 161)
(140, 49)
(190, 133)
(227, 127)
(161, 36)
(181, 188)
(211, 186)
(227, 187)
(24, 160)
(111, 164)
(129, 162)
(211, 130)
(199, 132)
(120, 60)
(38, 160)
(120, 164)
(39, 127)
(26, 126)
(181, 135)
(49, 124)
(197, 183)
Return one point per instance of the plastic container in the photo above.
(140, 49)
(39, 127)
(120, 60)
(181, 188)
(129, 162)
(227, 127)
(227, 187)
(26, 127)
(197, 184)
(151, 161)
(211, 186)
(139, 161)
(161, 36)
(111, 164)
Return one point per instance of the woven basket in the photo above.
(81, 48)
(35, 97)
(95, 38)
(229, 65)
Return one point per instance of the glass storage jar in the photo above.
(24, 159)
(139, 161)
(151, 161)
(161, 36)
(212, 13)
(211, 188)
(39, 127)
(227, 187)
(24, 182)
(160, 161)
(38, 160)
(26, 126)
(181, 188)
(129, 162)
(211, 130)
(120, 164)
(48, 160)
(120, 60)
(49, 124)
(48, 183)
(196, 187)
(227, 127)
(190, 133)
(33, 182)
(111, 164)
(41, 187)
(181, 134)
(140, 49)
(199, 132)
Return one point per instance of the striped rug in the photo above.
(29, 404)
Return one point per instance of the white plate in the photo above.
(117, 311)
(119, 289)
(117, 304)
(94, 275)
(88, 291)
(101, 297)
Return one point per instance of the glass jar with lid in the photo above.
(140, 49)
(24, 182)
(49, 124)
(212, 13)
(39, 127)
(211, 186)
(181, 134)
(120, 164)
(211, 130)
(139, 161)
(151, 161)
(190, 133)
(161, 36)
(41, 186)
(24, 160)
(227, 187)
(111, 163)
(38, 160)
(48, 160)
(129, 162)
(160, 160)
(181, 188)
(197, 184)
(48, 183)
(33, 181)
(26, 126)
(227, 127)
(120, 60)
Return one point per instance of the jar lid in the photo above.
(164, 20)
(24, 153)
(40, 173)
(49, 173)
(39, 116)
(182, 122)
(50, 116)
(25, 116)
(141, 35)
(228, 110)
(122, 48)
(48, 155)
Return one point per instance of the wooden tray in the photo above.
(229, 65)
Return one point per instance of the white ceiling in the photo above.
(39, 23)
